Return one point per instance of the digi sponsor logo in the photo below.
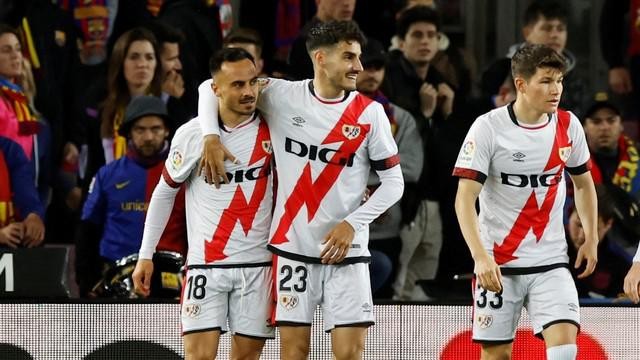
(191, 310)
(484, 321)
(534, 181)
(176, 159)
(289, 302)
(314, 152)
(350, 131)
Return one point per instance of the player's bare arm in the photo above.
(632, 281)
(142, 277)
(485, 268)
(337, 243)
(587, 207)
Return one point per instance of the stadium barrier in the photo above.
(75, 330)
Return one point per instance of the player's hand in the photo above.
(488, 273)
(212, 161)
(632, 283)
(588, 252)
(428, 99)
(142, 277)
(337, 243)
(173, 84)
(445, 99)
(620, 80)
(11, 235)
(33, 231)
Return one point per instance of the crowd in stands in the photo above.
(91, 93)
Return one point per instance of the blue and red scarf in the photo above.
(27, 122)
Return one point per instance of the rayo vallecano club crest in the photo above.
(351, 131)
(288, 301)
(564, 153)
(266, 146)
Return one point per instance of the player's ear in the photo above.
(318, 56)
(521, 84)
(215, 88)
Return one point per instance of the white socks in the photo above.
(562, 352)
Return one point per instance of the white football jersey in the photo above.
(229, 225)
(522, 169)
(323, 153)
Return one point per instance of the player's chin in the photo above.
(349, 85)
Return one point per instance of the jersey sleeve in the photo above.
(184, 155)
(208, 109)
(475, 154)
(578, 161)
(637, 257)
(383, 151)
(95, 207)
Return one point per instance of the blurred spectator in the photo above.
(250, 40)
(450, 60)
(19, 121)
(413, 84)
(607, 279)
(299, 60)
(620, 45)
(179, 96)
(113, 215)
(21, 212)
(614, 161)
(384, 232)
(545, 23)
(199, 21)
(134, 70)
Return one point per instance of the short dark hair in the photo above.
(550, 9)
(414, 15)
(245, 36)
(164, 32)
(8, 29)
(530, 57)
(228, 55)
(331, 32)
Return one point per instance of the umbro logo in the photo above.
(298, 121)
(518, 157)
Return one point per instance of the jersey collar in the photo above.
(313, 92)
(512, 116)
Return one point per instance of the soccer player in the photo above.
(326, 138)
(514, 159)
(229, 267)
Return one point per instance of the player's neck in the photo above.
(325, 90)
(231, 119)
(527, 114)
